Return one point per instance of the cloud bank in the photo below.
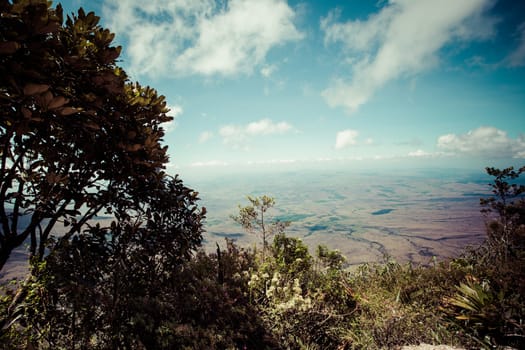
(204, 37)
(403, 39)
(485, 141)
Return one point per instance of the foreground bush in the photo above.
(236, 299)
(489, 303)
(301, 298)
(402, 305)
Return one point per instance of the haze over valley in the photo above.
(411, 215)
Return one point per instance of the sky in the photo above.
(276, 83)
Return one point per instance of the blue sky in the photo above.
(284, 83)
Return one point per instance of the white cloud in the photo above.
(175, 112)
(234, 136)
(211, 163)
(172, 166)
(204, 37)
(404, 38)
(517, 57)
(268, 69)
(419, 153)
(485, 141)
(272, 161)
(205, 136)
(238, 135)
(266, 126)
(346, 138)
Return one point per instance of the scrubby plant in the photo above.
(505, 214)
(399, 305)
(314, 302)
(489, 303)
(302, 305)
(254, 219)
(11, 335)
(213, 303)
(476, 304)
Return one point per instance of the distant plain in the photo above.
(411, 215)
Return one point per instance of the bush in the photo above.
(489, 303)
(400, 305)
(303, 306)
(213, 303)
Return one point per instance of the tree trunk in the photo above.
(10, 244)
(5, 252)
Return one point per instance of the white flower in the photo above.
(276, 278)
(270, 292)
(296, 287)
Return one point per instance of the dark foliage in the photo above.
(117, 287)
(77, 139)
(75, 135)
(489, 303)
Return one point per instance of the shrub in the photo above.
(400, 305)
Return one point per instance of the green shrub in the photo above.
(400, 305)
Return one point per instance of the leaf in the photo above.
(34, 89)
(92, 125)
(49, 28)
(26, 113)
(68, 111)
(46, 98)
(57, 102)
(110, 55)
(134, 147)
(9, 47)
(52, 178)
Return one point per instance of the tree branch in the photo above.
(16, 208)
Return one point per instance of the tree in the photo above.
(506, 230)
(114, 287)
(490, 301)
(77, 138)
(252, 219)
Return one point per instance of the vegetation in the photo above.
(106, 293)
(489, 303)
(78, 139)
(252, 219)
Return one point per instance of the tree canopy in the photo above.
(252, 218)
(505, 211)
(77, 138)
(118, 284)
